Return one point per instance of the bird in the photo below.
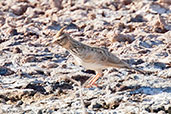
(94, 58)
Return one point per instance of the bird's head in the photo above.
(61, 38)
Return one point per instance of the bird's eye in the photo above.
(59, 40)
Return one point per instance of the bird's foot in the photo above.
(91, 81)
(91, 85)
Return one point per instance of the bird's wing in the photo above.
(114, 61)
(93, 55)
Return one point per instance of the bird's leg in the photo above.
(87, 83)
(93, 80)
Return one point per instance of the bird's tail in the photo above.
(138, 70)
(141, 71)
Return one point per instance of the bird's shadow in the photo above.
(150, 90)
(133, 90)
(155, 65)
(138, 89)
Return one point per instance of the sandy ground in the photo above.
(32, 74)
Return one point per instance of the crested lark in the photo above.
(89, 57)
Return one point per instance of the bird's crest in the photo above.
(60, 31)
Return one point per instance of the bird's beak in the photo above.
(50, 43)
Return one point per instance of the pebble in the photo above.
(17, 50)
(4, 71)
(19, 9)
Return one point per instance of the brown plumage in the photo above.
(90, 57)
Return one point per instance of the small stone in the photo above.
(30, 59)
(159, 65)
(137, 18)
(113, 37)
(30, 12)
(159, 25)
(122, 88)
(64, 66)
(158, 109)
(5, 71)
(50, 65)
(95, 106)
(19, 8)
(36, 87)
(53, 65)
(167, 2)
(12, 31)
(126, 2)
(40, 72)
(2, 111)
(46, 50)
(157, 9)
(33, 2)
(40, 111)
(72, 26)
(17, 50)
(54, 16)
(56, 4)
(2, 21)
(161, 112)
(91, 16)
(50, 12)
(48, 89)
(169, 110)
(145, 44)
(19, 103)
(113, 101)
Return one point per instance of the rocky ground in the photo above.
(32, 74)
